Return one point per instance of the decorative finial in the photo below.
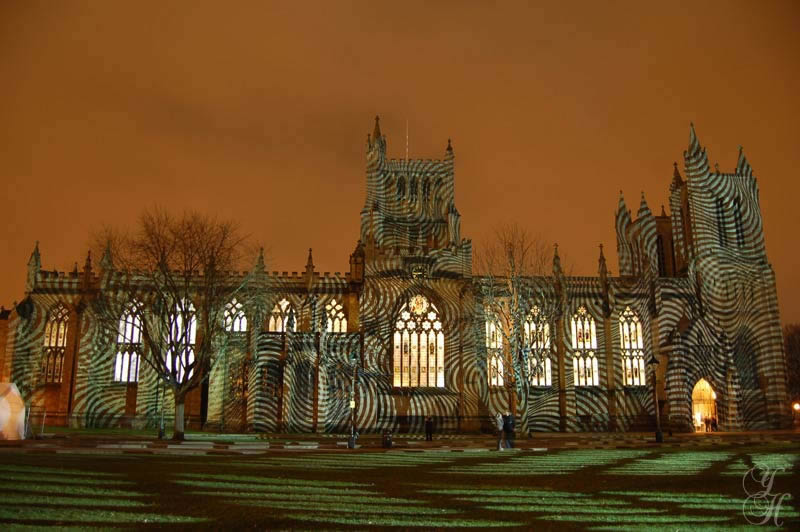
(310, 261)
(376, 134)
(87, 266)
(449, 145)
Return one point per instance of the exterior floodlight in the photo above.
(796, 407)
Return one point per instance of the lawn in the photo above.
(610, 489)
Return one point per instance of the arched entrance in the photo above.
(704, 406)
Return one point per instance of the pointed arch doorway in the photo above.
(704, 405)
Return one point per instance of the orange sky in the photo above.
(259, 112)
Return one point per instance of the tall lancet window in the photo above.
(181, 341)
(418, 346)
(337, 322)
(401, 188)
(282, 318)
(129, 344)
(234, 317)
(632, 343)
(737, 220)
(55, 344)
(494, 352)
(537, 339)
(584, 345)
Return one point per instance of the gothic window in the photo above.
(584, 344)
(494, 352)
(722, 234)
(181, 341)
(426, 189)
(282, 318)
(55, 344)
(418, 346)
(337, 322)
(401, 188)
(536, 337)
(235, 319)
(632, 343)
(129, 344)
(412, 189)
(737, 220)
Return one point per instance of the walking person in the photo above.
(498, 421)
(429, 428)
(508, 428)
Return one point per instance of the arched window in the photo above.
(584, 344)
(632, 343)
(235, 319)
(55, 344)
(129, 344)
(418, 345)
(282, 318)
(412, 189)
(426, 189)
(181, 341)
(337, 322)
(537, 339)
(494, 352)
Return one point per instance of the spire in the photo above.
(310, 261)
(677, 181)
(602, 264)
(742, 166)
(644, 210)
(87, 266)
(259, 268)
(663, 212)
(36, 258)
(34, 266)
(106, 262)
(621, 207)
(557, 271)
(449, 146)
(376, 133)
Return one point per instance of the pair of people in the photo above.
(505, 430)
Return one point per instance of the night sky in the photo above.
(259, 112)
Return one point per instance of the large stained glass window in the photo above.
(337, 322)
(632, 343)
(584, 345)
(129, 345)
(418, 347)
(494, 352)
(55, 344)
(181, 341)
(234, 316)
(282, 318)
(537, 340)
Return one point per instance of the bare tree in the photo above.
(791, 339)
(166, 285)
(513, 268)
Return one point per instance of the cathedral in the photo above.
(689, 329)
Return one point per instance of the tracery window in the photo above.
(129, 344)
(494, 353)
(418, 347)
(401, 188)
(234, 316)
(630, 337)
(181, 341)
(282, 318)
(722, 230)
(737, 221)
(412, 189)
(337, 322)
(537, 338)
(584, 344)
(55, 344)
(426, 189)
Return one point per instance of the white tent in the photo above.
(12, 413)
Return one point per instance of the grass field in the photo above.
(611, 489)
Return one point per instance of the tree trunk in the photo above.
(178, 433)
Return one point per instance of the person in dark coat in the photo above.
(508, 428)
(499, 422)
(429, 428)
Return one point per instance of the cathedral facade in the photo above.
(688, 330)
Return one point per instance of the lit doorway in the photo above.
(704, 407)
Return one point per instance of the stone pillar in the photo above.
(611, 374)
(561, 350)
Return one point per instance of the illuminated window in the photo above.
(537, 338)
(282, 318)
(235, 319)
(494, 353)
(129, 344)
(418, 345)
(584, 344)
(337, 322)
(632, 343)
(55, 344)
(181, 341)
